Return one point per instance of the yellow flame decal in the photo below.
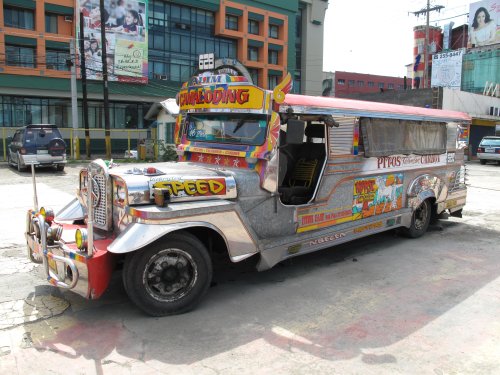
(282, 89)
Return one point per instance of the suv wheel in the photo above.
(482, 161)
(60, 167)
(20, 168)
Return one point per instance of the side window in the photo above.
(17, 136)
(382, 137)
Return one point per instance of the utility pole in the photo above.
(74, 100)
(105, 81)
(83, 70)
(426, 11)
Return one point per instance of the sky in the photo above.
(376, 37)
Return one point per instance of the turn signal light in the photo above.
(48, 214)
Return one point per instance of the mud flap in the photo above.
(457, 213)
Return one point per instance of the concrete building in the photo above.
(269, 37)
(343, 84)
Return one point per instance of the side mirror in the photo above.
(295, 131)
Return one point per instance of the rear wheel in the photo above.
(482, 161)
(60, 168)
(419, 221)
(168, 277)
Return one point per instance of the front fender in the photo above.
(138, 235)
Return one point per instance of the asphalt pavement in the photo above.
(379, 305)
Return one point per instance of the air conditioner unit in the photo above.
(68, 18)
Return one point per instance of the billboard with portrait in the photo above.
(126, 39)
(484, 21)
(447, 69)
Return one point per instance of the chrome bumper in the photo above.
(63, 267)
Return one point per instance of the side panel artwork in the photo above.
(377, 195)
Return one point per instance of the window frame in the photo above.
(273, 57)
(51, 17)
(271, 34)
(256, 25)
(249, 53)
(17, 11)
(230, 21)
(20, 64)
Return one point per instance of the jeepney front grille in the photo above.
(101, 209)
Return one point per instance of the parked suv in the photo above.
(489, 149)
(39, 144)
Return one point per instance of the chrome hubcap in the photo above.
(170, 274)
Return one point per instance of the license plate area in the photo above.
(42, 152)
(489, 149)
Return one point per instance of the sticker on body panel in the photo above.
(377, 195)
(204, 187)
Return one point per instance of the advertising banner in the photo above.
(484, 20)
(447, 69)
(126, 39)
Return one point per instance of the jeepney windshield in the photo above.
(244, 128)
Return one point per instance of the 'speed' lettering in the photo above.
(192, 187)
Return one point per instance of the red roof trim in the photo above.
(365, 106)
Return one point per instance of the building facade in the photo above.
(266, 36)
(343, 84)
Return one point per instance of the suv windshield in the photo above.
(40, 137)
(248, 129)
(490, 142)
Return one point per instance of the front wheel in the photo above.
(168, 277)
(419, 221)
(9, 160)
(20, 168)
(482, 161)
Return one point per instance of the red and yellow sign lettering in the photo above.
(216, 186)
(224, 96)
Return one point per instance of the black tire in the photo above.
(168, 277)
(19, 167)
(419, 220)
(60, 168)
(56, 147)
(482, 161)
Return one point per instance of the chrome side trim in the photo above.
(228, 224)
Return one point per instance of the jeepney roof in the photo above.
(338, 106)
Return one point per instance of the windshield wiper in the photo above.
(238, 126)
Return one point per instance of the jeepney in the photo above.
(260, 173)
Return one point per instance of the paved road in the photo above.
(379, 305)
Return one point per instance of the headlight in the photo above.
(81, 239)
(54, 233)
(48, 214)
